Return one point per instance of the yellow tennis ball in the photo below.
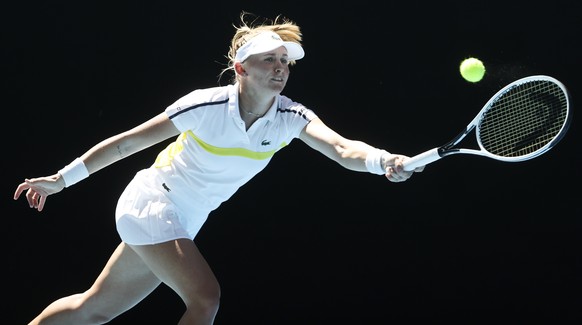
(472, 69)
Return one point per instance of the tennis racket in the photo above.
(521, 121)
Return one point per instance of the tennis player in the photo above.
(223, 137)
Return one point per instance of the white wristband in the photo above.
(74, 172)
(374, 161)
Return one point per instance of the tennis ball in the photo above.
(472, 69)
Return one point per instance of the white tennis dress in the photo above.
(209, 161)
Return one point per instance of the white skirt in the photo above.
(145, 215)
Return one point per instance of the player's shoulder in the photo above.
(289, 107)
(201, 100)
(212, 94)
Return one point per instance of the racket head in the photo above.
(524, 119)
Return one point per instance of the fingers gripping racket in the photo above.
(521, 121)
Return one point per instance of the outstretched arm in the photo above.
(101, 155)
(353, 154)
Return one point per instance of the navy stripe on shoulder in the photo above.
(302, 111)
(188, 108)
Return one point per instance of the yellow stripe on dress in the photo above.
(166, 156)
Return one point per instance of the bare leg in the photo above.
(181, 266)
(124, 281)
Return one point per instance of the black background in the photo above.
(469, 240)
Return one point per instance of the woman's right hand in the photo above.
(38, 189)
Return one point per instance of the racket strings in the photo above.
(524, 119)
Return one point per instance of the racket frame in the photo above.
(449, 148)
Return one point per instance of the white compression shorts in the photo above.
(145, 215)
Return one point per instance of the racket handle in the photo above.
(422, 159)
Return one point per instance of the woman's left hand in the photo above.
(395, 169)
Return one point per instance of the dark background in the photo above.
(470, 240)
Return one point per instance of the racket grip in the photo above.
(422, 159)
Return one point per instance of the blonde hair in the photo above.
(284, 27)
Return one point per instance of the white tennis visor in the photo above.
(265, 42)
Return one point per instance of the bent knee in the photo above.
(206, 300)
(211, 295)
